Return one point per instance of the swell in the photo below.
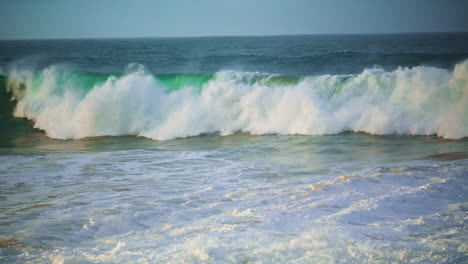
(410, 101)
(412, 56)
(385, 60)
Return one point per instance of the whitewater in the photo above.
(406, 101)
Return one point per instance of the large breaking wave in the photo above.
(411, 101)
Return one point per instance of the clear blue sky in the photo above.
(29, 19)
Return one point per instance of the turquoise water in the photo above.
(303, 149)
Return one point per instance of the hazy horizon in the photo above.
(240, 36)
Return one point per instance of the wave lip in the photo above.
(408, 101)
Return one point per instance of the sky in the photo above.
(43, 19)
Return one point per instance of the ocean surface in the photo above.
(274, 149)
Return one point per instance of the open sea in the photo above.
(274, 149)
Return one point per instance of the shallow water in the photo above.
(346, 198)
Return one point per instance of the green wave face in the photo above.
(174, 82)
(83, 82)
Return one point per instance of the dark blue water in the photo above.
(288, 55)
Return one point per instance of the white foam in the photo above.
(416, 101)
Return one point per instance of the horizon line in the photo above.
(226, 36)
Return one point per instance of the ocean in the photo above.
(271, 149)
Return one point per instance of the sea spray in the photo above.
(413, 101)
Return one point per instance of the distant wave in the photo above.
(411, 58)
(410, 101)
(450, 55)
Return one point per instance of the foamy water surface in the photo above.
(237, 199)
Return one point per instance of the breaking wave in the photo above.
(411, 101)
